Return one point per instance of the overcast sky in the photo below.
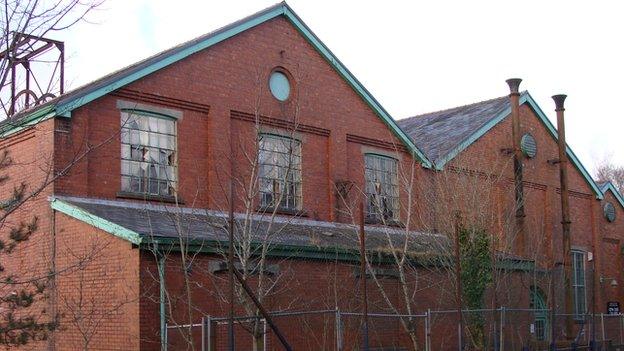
(414, 56)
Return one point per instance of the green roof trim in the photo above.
(275, 250)
(9, 128)
(262, 17)
(65, 107)
(95, 221)
(354, 83)
(334, 253)
(525, 98)
(472, 138)
(608, 186)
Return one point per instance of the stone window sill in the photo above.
(149, 197)
(282, 211)
(389, 223)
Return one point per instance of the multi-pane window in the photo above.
(279, 170)
(382, 188)
(578, 283)
(538, 304)
(148, 154)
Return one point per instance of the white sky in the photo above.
(414, 56)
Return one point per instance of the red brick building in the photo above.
(139, 164)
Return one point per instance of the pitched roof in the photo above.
(445, 134)
(66, 103)
(437, 134)
(608, 186)
(144, 223)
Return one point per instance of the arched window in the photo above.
(538, 304)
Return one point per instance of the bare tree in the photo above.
(421, 245)
(260, 176)
(608, 171)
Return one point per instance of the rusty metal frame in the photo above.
(22, 52)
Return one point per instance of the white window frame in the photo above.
(373, 199)
(167, 184)
(577, 286)
(269, 161)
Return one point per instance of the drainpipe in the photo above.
(163, 312)
(514, 97)
(565, 213)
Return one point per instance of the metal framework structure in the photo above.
(26, 85)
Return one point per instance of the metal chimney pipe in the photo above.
(514, 97)
(565, 212)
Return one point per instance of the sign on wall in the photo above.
(613, 307)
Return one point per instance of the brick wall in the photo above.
(220, 92)
(233, 76)
(31, 154)
(97, 288)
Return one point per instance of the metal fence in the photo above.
(502, 329)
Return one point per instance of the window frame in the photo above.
(537, 302)
(579, 254)
(394, 183)
(297, 175)
(171, 184)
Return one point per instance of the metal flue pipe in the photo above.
(565, 212)
(514, 97)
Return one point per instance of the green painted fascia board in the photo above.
(277, 250)
(29, 120)
(212, 246)
(614, 191)
(472, 138)
(64, 108)
(527, 98)
(98, 222)
(217, 38)
(354, 83)
(317, 253)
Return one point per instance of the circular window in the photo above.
(609, 212)
(279, 85)
(528, 145)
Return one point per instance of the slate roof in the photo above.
(64, 104)
(439, 134)
(153, 222)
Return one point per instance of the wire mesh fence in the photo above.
(501, 329)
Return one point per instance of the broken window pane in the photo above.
(382, 190)
(279, 167)
(147, 154)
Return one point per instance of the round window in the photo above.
(528, 145)
(609, 212)
(279, 85)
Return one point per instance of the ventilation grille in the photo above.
(528, 145)
(609, 212)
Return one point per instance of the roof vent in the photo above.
(609, 212)
(528, 145)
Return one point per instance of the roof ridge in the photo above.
(453, 108)
(460, 106)
(134, 64)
